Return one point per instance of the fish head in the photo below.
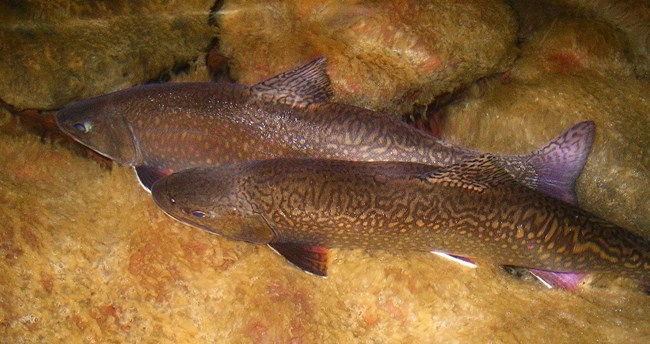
(98, 124)
(209, 198)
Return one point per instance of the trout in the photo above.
(473, 209)
(162, 128)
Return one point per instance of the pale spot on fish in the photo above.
(520, 233)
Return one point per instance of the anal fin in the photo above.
(563, 280)
(148, 175)
(311, 259)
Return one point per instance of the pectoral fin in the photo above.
(302, 86)
(148, 175)
(312, 259)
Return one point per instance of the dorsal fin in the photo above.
(477, 174)
(302, 86)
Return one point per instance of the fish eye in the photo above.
(83, 127)
(199, 214)
(171, 200)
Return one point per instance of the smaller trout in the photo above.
(474, 209)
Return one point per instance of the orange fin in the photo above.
(312, 259)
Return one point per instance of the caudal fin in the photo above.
(554, 168)
(559, 163)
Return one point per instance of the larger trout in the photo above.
(162, 128)
(474, 209)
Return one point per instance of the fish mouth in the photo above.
(110, 143)
(62, 124)
(162, 199)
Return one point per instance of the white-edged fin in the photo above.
(548, 285)
(563, 280)
(148, 175)
(460, 260)
(302, 86)
(308, 258)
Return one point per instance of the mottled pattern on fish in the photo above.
(217, 123)
(472, 209)
(171, 127)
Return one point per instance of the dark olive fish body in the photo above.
(473, 209)
(222, 123)
(164, 128)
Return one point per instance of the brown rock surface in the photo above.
(53, 52)
(570, 70)
(85, 256)
(384, 55)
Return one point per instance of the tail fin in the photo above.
(554, 168)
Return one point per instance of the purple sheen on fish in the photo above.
(473, 209)
(162, 128)
(563, 280)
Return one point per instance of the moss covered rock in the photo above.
(384, 55)
(55, 52)
(571, 70)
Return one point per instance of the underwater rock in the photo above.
(571, 70)
(630, 17)
(53, 53)
(86, 255)
(384, 55)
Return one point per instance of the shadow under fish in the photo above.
(162, 128)
(473, 209)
